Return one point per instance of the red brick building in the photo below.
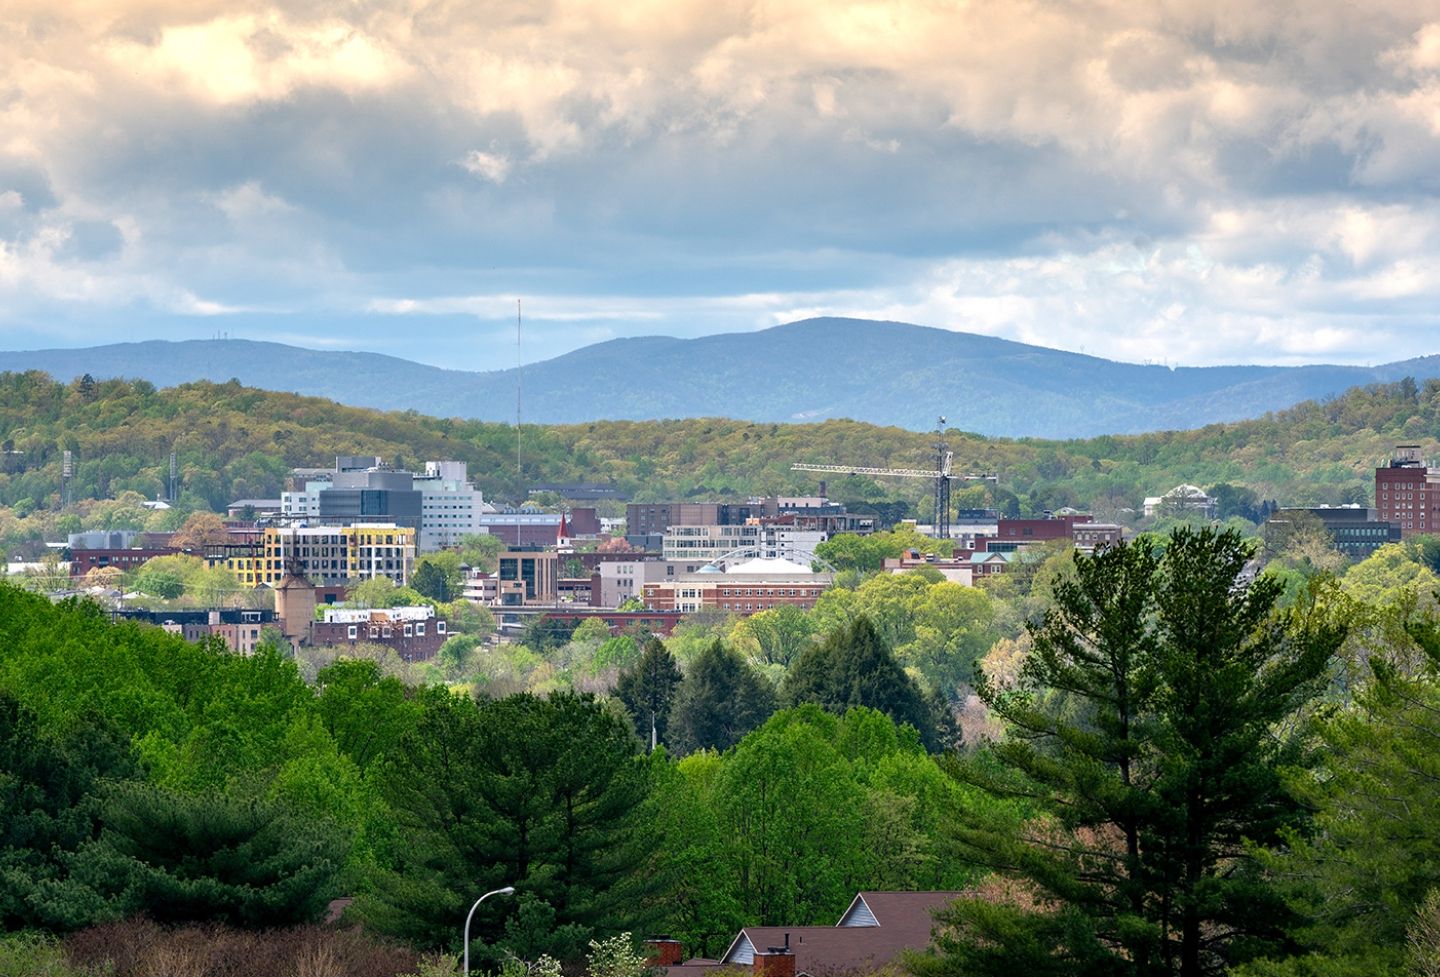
(1407, 493)
(757, 585)
(414, 633)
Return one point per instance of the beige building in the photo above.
(756, 585)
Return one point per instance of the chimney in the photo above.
(776, 961)
(664, 952)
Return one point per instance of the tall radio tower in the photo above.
(519, 479)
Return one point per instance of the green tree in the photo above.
(1144, 733)
(648, 691)
(429, 581)
(542, 794)
(793, 811)
(365, 713)
(779, 634)
(1362, 872)
(382, 592)
(1384, 575)
(209, 857)
(49, 807)
(457, 655)
(481, 551)
(854, 667)
(720, 700)
(691, 862)
(466, 617)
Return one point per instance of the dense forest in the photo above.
(237, 442)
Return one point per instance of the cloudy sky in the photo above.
(1193, 182)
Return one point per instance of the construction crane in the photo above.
(942, 475)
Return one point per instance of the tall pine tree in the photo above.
(648, 690)
(1143, 735)
(721, 699)
(854, 667)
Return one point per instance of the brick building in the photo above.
(757, 585)
(414, 633)
(1407, 492)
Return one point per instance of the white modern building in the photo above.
(449, 506)
(770, 542)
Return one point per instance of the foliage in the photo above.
(616, 956)
(775, 636)
(382, 592)
(939, 628)
(1363, 872)
(32, 954)
(181, 857)
(537, 793)
(853, 667)
(648, 690)
(1144, 737)
(720, 700)
(481, 551)
(430, 582)
(847, 551)
(49, 804)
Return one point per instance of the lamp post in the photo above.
(509, 890)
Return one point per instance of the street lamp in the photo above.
(509, 890)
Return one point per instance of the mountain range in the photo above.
(887, 373)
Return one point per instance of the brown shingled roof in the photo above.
(905, 923)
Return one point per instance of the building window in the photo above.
(353, 632)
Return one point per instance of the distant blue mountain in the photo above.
(889, 373)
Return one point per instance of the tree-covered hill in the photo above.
(233, 442)
(887, 373)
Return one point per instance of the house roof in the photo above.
(899, 909)
(903, 921)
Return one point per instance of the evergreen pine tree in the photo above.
(854, 667)
(1143, 735)
(721, 699)
(648, 689)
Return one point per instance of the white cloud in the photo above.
(1192, 182)
(488, 166)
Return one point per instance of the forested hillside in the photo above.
(234, 441)
(886, 373)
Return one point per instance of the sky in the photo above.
(1181, 182)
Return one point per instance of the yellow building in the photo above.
(328, 554)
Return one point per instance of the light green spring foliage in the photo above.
(1365, 874)
(787, 825)
(1390, 571)
(29, 954)
(937, 629)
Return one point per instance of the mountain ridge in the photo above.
(881, 372)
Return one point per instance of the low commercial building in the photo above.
(756, 585)
(241, 629)
(414, 633)
(1355, 530)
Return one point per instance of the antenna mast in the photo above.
(519, 481)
